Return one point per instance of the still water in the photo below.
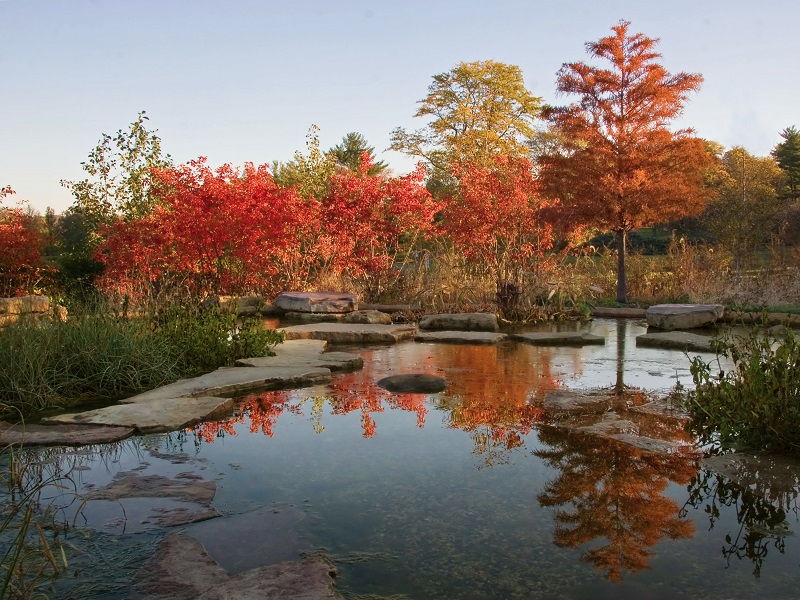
(467, 494)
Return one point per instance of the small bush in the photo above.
(207, 338)
(757, 404)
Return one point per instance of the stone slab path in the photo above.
(675, 340)
(351, 333)
(297, 363)
(559, 338)
(460, 337)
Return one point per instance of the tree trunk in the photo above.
(622, 285)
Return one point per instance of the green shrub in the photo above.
(757, 403)
(207, 338)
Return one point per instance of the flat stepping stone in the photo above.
(460, 337)
(347, 333)
(334, 361)
(21, 434)
(234, 380)
(559, 338)
(301, 317)
(413, 383)
(619, 313)
(675, 340)
(153, 417)
(460, 322)
(683, 316)
(316, 302)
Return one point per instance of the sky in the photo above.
(243, 80)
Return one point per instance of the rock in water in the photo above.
(413, 383)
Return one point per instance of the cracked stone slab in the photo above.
(460, 337)
(19, 434)
(559, 338)
(675, 340)
(306, 353)
(233, 380)
(157, 416)
(351, 333)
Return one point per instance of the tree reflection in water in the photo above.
(762, 520)
(615, 494)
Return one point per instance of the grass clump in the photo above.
(96, 357)
(757, 403)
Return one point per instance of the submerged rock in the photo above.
(182, 570)
(413, 383)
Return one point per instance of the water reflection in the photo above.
(611, 498)
(761, 519)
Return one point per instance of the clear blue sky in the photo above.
(242, 80)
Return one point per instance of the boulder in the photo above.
(413, 383)
(461, 337)
(368, 317)
(559, 338)
(683, 316)
(675, 340)
(25, 304)
(316, 302)
(460, 322)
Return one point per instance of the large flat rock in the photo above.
(351, 333)
(156, 416)
(181, 570)
(559, 338)
(316, 302)
(460, 322)
(20, 434)
(683, 316)
(460, 337)
(675, 340)
(232, 380)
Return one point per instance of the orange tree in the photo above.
(620, 167)
(496, 218)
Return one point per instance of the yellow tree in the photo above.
(619, 166)
(477, 111)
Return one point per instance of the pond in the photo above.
(471, 493)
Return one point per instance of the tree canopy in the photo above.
(619, 167)
(349, 154)
(478, 110)
(787, 153)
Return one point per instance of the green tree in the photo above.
(745, 213)
(787, 153)
(348, 154)
(119, 183)
(478, 110)
(309, 174)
